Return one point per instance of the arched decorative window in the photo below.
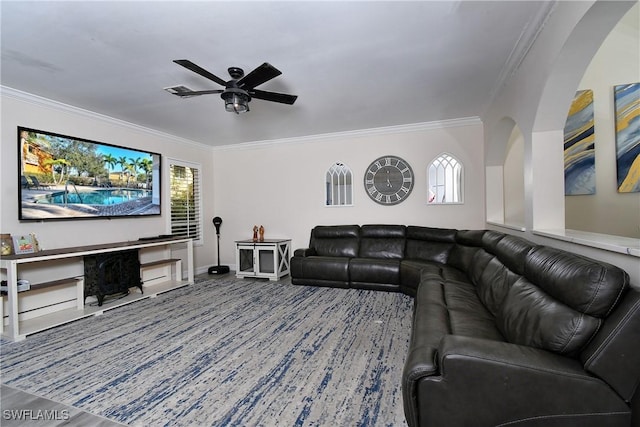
(339, 185)
(445, 180)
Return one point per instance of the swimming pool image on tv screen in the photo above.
(98, 197)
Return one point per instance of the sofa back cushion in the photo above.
(492, 279)
(529, 316)
(511, 250)
(429, 244)
(560, 301)
(382, 241)
(335, 240)
(587, 285)
(497, 267)
(468, 243)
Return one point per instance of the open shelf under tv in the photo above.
(18, 329)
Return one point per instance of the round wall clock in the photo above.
(388, 180)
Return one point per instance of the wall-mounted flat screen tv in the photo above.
(63, 177)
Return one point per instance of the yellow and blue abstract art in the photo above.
(579, 146)
(627, 105)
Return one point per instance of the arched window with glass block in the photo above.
(339, 185)
(445, 179)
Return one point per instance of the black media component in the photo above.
(111, 273)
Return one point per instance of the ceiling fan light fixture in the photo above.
(236, 100)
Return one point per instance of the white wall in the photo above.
(19, 109)
(514, 180)
(280, 185)
(616, 62)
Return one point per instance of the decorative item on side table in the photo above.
(261, 233)
(218, 269)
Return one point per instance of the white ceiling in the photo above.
(354, 65)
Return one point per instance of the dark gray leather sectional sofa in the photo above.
(505, 332)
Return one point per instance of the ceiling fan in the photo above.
(239, 90)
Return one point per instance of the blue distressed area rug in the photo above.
(228, 352)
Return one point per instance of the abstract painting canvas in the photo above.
(579, 146)
(627, 106)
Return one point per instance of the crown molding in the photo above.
(60, 106)
(414, 127)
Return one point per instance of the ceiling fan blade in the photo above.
(198, 92)
(263, 73)
(199, 70)
(273, 96)
(185, 92)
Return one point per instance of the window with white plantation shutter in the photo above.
(186, 217)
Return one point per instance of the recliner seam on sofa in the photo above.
(517, 365)
(613, 334)
(573, 333)
(596, 414)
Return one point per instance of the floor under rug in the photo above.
(228, 352)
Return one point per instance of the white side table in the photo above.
(267, 259)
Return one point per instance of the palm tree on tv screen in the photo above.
(146, 165)
(122, 162)
(58, 169)
(111, 162)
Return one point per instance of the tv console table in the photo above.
(17, 330)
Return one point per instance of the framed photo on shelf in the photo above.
(24, 244)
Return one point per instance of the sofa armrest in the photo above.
(487, 383)
(304, 252)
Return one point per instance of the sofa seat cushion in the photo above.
(322, 269)
(443, 307)
(375, 270)
(445, 272)
(412, 271)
